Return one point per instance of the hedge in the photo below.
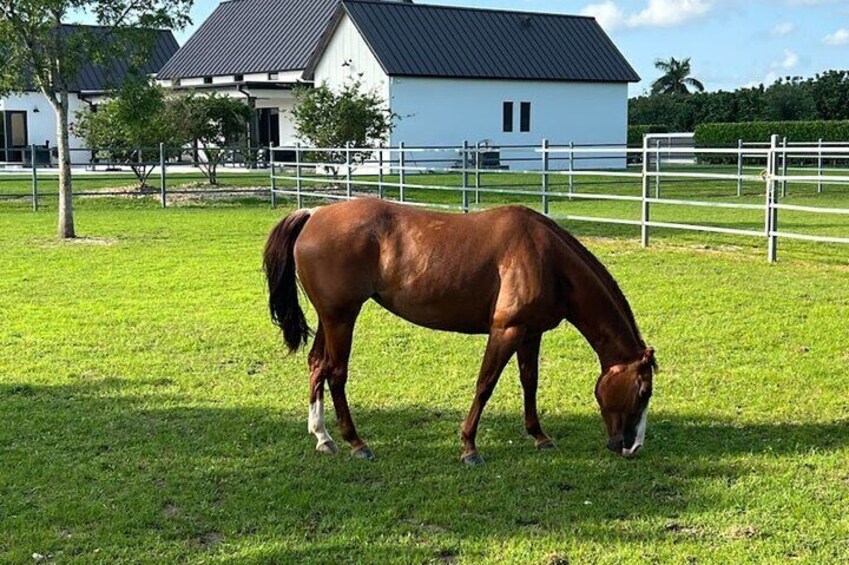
(718, 135)
(636, 133)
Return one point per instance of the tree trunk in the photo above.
(66, 205)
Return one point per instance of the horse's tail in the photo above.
(279, 265)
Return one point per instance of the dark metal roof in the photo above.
(253, 36)
(102, 76)
(442, 41)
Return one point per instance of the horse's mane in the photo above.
(602, 274)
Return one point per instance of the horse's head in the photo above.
(623, 393)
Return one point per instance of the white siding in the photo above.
(41, 125)
(438, 111)
(347, 57)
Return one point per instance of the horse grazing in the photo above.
(509, 273)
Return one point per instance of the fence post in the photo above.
(644, 216)
(545, 166)
(162, 178)
(657, 170)
(466, 176)
(380, 173)
(739, 167)
(784, 161)
(273, 177)
(402, 173)
(299, 183)
(771, 200)
(819, 167)
(142, 167)
(571, 169)
(34, 179)
(348, 189)
(478, 172)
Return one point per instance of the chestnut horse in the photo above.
(509, 273)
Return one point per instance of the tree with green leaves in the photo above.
(216, 122)
(41, 53)
(676, 77)
(352, 116)
(129, 127)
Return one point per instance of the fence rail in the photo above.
(548, 174)
(388, 169)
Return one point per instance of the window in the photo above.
(207, 80)
(525, 117)
(273, 76)
(238, 78)
(508, 117)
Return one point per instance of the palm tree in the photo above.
(676, 77)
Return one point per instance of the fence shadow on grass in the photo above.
(118, 463)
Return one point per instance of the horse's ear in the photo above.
(648, 358)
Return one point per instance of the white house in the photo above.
(452, 74)
(256, 50)
(462, 74)
(27, 118)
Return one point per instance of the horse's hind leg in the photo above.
(528, 358)
(315, 424)
(338, 334)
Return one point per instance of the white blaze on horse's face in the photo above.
(640, 438)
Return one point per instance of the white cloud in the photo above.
(670, 13)
(782, 29)
(790, 61)
(657, 13)
(839, 37)
(608, 14)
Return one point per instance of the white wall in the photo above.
(437, 111)
(41, 125)
(348, 46)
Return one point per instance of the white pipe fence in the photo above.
(388, 168)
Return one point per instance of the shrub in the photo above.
(727, 134)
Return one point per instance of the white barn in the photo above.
(452, 74)
(461, 74)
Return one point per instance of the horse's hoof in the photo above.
(363, 453)
(328, 448)
(472, 459)
(545, 445)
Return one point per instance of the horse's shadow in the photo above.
(189, 474)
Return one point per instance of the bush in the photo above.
(718, 135)
(728, 135)
(636, 133)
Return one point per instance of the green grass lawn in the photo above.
(148, 413)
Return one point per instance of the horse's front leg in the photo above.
(528, 359)
(500, 347)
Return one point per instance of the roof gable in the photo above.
(442, 41)
(253, 36)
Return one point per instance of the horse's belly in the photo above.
(451, 314)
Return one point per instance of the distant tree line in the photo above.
(824, 97)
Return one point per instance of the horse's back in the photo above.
(441, 270)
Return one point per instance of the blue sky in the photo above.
(732, 43)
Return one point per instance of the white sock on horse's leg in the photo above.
(315, 425)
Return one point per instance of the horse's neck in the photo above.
(598, 312)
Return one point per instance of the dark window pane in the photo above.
(525, 119)
(508, 116)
